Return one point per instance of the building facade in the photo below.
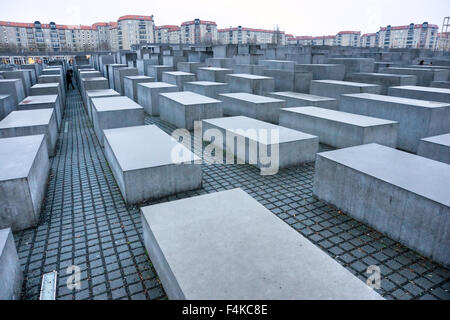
(368, 40)
(243, 35)
(168, 34)
(411, 36)
(133, 29)
(348, 38)
(198, 32)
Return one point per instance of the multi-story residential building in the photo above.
(324, 41)
(242, 35)
(348, 38)
(301, 40)
(411, 36)
(199, 32)
(133, 29)
(368, 40)
(168, 34)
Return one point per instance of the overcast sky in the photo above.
(298, 17)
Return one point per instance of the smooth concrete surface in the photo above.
(278, 64)
(157, 71)
(148, 95)
(183, 108)
(11, 276)
(178, 78)
(421, 93)
(119, 74)
(7, 105)
(14, 88)
(49, 101)
(110, 69)
(190, 67)
(115, 112)
(213, 74)
(404, 196)
(23, 180)
(248, 68)
(250, 83)
(19, 74)
(102, 93)
(334, 89)
(296, 99)
(340, 129)
(417, 118)
(32, 122)
(424, 76)
(256, 139)
(207, 88)
(323, 71)
(42, 89)
(145, 166)
(233, 248)
(252, 106)
(440, 84)
(130, 85)
(384, 80)
(354, 65)
(436, 148)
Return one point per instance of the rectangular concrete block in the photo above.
(284, 80)
(354, 65)
(323, 71)
(145, 166)
(424, 76)
(252, 106)
(50, 101)
(11, 276)
(32, 122)
(215, 265)
(278, 64)
(402, 195)
(340, 129)
(248, 68)
(183, 108)
(23, 180)
(256, 139)
(417, 118)
(148, 95)
(111, 68)
(226, 63)
(130, 85)
(441, 84)
(178, 78)
(250, 83)
(119, 74)
(421, 93)
(334, 89)
(207, 88)
(296, 99)
(115, 112)
(436, 148)
(102, 93)
(14, 88)
(213, 74)
(384, 80)
(7, 105)
(157, 71)
(19, 74)
(43, 89)
(190, 67)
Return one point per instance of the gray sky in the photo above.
(298, 17)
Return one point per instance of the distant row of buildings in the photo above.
(136, 29)
(423, 35)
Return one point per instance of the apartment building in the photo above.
(368, 40)
(198, 32)
(411, 36)
(348, 38)
(168, 34)
(300, 40)
(324, 40)
(134, 29)
(243, 35)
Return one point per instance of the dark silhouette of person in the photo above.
(69, 79)
(421, 63)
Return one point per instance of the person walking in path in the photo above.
(69, 79)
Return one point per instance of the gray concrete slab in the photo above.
(248, 68)
(32, 122)
(421, 93)
(257, 139)
(226, 63)
(215, 265)
(254, 84)
(436, 148)
(417, 118)
(14, 88)
(42, 89)
(130, 85)
(424, 76)
(384, 80)
(148, 95)
(183, 108)
(323, 71)
(145, 166)
(102, 93)
(190, 67)
(334, 89)
(340, 129)
(19, 74)
(213, 74)
(207, 88)
(119, 74)
(440, 84)
(278, 64)
(115, 112)
(11, 276)
(399, 194)
(354, 65)
(157, 71)
(296, 99)
(49, 101)
(111, 68)
(178, 78)
(23, 180)
(252, 106)
(7, 105)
